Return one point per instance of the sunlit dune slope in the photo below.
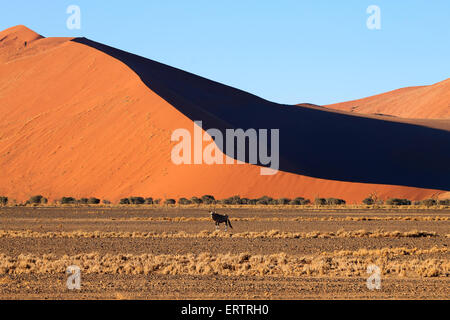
(429, 102)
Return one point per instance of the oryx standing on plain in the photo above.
(220, 218)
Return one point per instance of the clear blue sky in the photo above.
(295, 51)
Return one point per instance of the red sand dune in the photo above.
(428, 102)
(77, 122)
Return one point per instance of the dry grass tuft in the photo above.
(333, 264)
(295, 219)
(275, 234)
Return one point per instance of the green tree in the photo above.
(169, 201)
(3, 201)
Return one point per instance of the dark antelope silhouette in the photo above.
(220, 218)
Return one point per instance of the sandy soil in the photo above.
(218, 267)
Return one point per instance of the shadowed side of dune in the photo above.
(313, 142)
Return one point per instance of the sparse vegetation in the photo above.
(273, 252)
(265, 200)
(398, 202)
(232, 200)
(124, 201)
(196, 200)
(320, 201)
(137, 200)
(335, 202)
(429, 202)
(184, 201)
(368, 201)
(296, 219)
(3, 201)
(93, 200)
(68, 200)
(38, 199)
(276, 234)
(208, 199)
(283, 201)
(300, 201)
(238, 201)
(344, 263)
(169, 202)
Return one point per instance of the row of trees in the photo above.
(139, 200)
(91, 200)
(235, 200)
(265, 200)
(39, 199)
(406, 202)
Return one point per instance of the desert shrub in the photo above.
(368, 201)
(320, 201)
(252, 201)
(225, 201)
(262, 202)
(68, 200)
(196, 200)
(184, 201)
(208, 199)
(169, 201)
(104, 201)
(334, 201)
(283, 201)
(84, 201)
(445, 202)
(231, 200)
(236, 200)
(398, 202)
(38, 199)
(3, 201)
(124, 201)
(137, 200)
(245, 201)
(157, 201)
(93, 200)
(429, 202)
(265, 200)
(299, 201)
(148, 200)
(306, 201)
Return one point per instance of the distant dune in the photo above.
(430, 102)
(83, 119)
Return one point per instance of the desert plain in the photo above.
(270, 253)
